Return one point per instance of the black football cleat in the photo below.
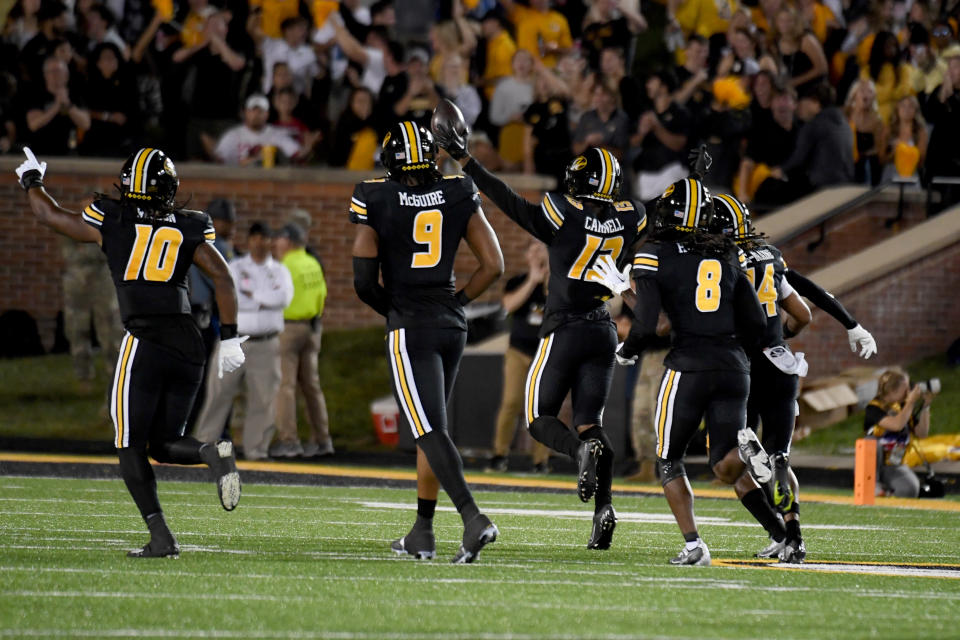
(157, 549)
(477, 534)
(222, 460)
(604, 523)
(587, 457)
(419, 543)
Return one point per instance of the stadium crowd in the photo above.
(789, 96)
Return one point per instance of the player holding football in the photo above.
(150, 244)
(409, 225)
(584, 222)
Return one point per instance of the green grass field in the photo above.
(313, 562)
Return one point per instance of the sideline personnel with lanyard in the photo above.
(300, 350)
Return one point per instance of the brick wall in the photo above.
(913, 312)
(30, 260)
(849, 233)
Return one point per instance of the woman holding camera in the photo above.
(897, 414)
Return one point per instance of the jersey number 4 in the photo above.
(767, 291)
(595, 246)
(160, 247)
(428, 230)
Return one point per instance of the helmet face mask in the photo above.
(731, 218)
(149, 180)
(685, 206)
(595, 174)
(408, 149)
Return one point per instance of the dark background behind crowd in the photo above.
(789, 96)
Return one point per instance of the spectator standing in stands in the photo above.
(375, 55)
(511, 98)
(499, 50)
(420, 98)
(769, 143)
(211, 83)
(541, 31)
(613, 73)
(693, 76)
(268, 16)
(525, 299)
(610, 24)
(300, 349)
(112, 101)
(943, 112)
(905, 141)
(284, 105)
(823, 155)
(52, 27)
(101, 29)
(355, 143)
(580, 81)
(547, 147)
(88, 295)
(264, 291)
(203, 304)
(244, 144)
(892, 77)
(861, 111)
(292, 49)
(606, 125)
(152, 62)
(22, 23)
(453, 85)
(54, 113)
(801, 56)
(661, 139)
(451, 38)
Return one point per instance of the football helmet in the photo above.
(149, 180)
(594, 174)
(685, 206)
(408, 147)
(731, 218)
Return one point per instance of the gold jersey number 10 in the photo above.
(160, 247)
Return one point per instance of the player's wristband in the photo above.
(228, 331)
(31, 179)
(462, 298)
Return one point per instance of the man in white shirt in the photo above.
(264, 290)
(293, 49)
(244, 144)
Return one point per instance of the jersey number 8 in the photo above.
(708, 285)
(160, 247)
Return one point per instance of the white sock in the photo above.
(693, 545)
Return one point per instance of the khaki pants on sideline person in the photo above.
(515, 366)
(299, 352)
(260, 375)
(643, 416)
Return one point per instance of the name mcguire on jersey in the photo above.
(431, 199)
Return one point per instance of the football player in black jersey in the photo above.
(583, 222)
(774, 369)
(695, 278)
(409, 226)
(150, 244)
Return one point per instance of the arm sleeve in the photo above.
(542, 220)
(750, 318)
(366, 282)
(821, 297)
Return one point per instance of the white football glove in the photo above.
(28, 165)
(860, 337)
(624, 362)
(606, 273)
(231, 355)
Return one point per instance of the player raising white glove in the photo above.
(30, 172)
(622, 360)
(860, 337)
(606, 273)
(231, 355)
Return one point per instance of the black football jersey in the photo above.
(765, 268)
(698, 295)
(419, 229)
(577, 235)
(149, 256)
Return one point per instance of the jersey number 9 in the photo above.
(428, 230)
